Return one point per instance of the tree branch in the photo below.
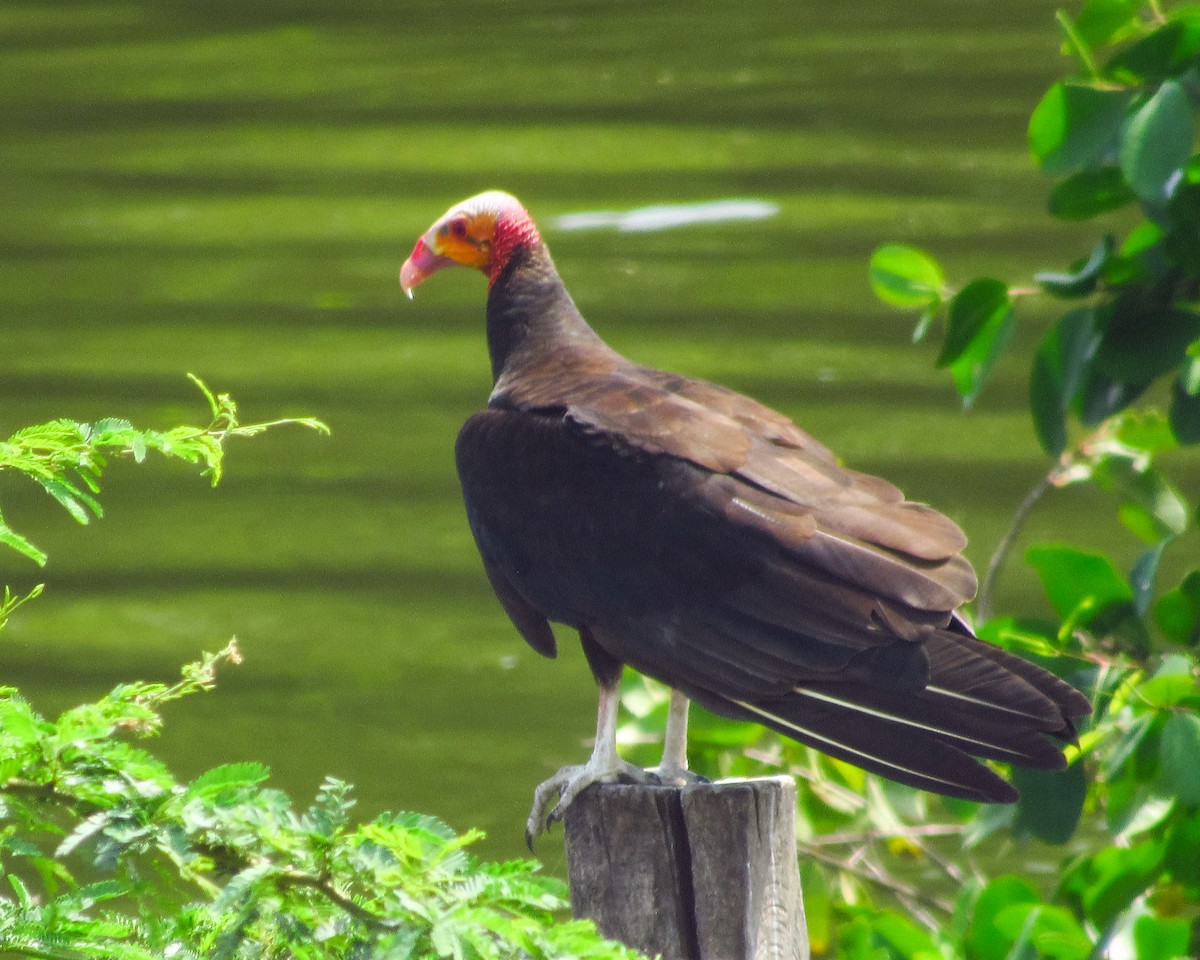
(983, 607)
(325, 886)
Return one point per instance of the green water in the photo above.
(229, 188)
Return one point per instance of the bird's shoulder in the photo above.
(757, 469)
(655, 412)
(637, 410)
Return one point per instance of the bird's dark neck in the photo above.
(532, 319)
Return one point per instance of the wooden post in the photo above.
(704, 872)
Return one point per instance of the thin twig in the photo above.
(877, 875)
(16, 786)
(8, 947)
(323, 885)
(926, 830)
(984, 606)
(948, 867)
(911, 834)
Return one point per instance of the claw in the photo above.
(554, 796)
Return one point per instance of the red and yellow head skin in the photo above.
(481, 232)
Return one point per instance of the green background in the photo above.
(229, 189)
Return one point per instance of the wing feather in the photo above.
(709, 543)
(534, 627)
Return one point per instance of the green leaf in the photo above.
(1183, 842)
(1189, 375)
(1140, 344)
(10, 538)
(980, 304)
(1161, 53)
(228, 777)
(1143, 575)
(1185, 414)
(1022, 635)
(972, 369)
(1181, 756)
(1083, 279)
(1140, 258)
(1058, 368)
(1133, 806)
(1073, 577)
(856, 941)
(902, 935)
(1145, 430)
(987, 940)
(1150, 507)
(74, 500)
(21, 724)
(1102, 395)
(1151, 524)
(1118, 876)
(1126, 745)
(818, 906)
(905, 276)
(1146, 236)
(1051, 931)
(1048, 402)
(107, 429)
(1157, 143)
(1088, 193)
(1051, 802)
(1104, 21)
(1074, 125)
(1147, 812)
(1157, 938)
(1166, 688)
(1177, 613)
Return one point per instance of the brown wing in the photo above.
(530, 623)
(723, 554)
(588, 530)
(854, 526)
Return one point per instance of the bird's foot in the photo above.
(673, 776)
(553, 796)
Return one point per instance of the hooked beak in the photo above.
(420, 264)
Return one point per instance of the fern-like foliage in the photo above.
(226, 867)
(223, 867)
(67, 459)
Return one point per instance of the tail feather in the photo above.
(963, 669)
(979, 730)
(925, 711)
(878, 744)
(977, 703)
(1069, 701)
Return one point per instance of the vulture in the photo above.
(705, 540)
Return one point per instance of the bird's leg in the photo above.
(673, 769)
(553, 796)
(674, 764)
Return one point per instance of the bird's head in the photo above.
(481, 232)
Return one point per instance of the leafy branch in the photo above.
(223, 866)
(237, 871)
(67, 458)
(9, 602)
(1118, 457)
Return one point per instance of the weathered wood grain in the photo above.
(704, 872)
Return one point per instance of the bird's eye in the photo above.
(458, 228)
